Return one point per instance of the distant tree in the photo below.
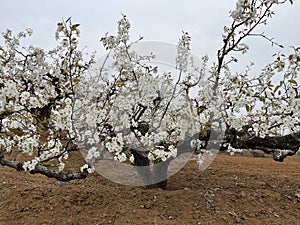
(51, 104)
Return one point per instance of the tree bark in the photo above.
(279, 146)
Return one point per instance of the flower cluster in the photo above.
(37, 95)
(183, 54)
(162, 153)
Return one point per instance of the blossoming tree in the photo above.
(55, 102)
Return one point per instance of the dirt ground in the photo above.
(234, 190)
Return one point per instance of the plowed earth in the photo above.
(233, 190)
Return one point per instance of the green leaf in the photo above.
(74, 27)
(292, 81)
(47, 164)
(278, 86)
(10, 133)
(262, 99)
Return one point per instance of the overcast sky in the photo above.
(156, 20)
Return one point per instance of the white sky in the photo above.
(156, 20)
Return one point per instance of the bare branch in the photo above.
(271, 40)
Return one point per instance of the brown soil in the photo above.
(234, 190)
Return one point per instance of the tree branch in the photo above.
(39, 169)
(279, 146)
